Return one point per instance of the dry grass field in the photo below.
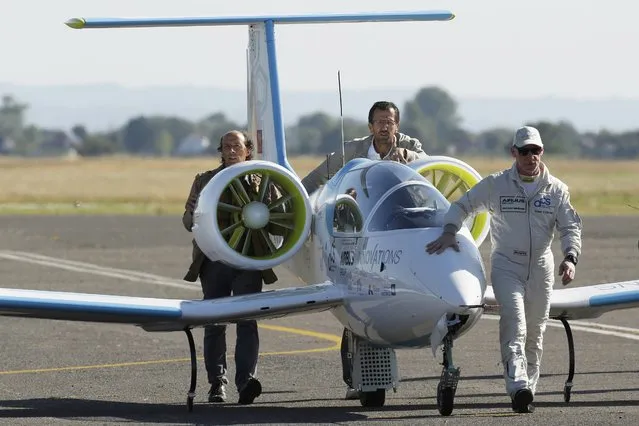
(160, 186)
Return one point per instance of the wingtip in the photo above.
(75, 23)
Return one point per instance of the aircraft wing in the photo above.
(167, 314)
(586, 302)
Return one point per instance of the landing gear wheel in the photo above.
(445, 400)
(447, 385)
(373, 399)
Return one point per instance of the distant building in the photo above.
(7, 145)
(193, 145)
(56, 143)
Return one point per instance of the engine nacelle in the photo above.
(235, 223)
(453, 178)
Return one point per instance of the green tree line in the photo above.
(431, 116)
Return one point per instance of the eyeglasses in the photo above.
(524, 151)
(382, 123)
(229, 148)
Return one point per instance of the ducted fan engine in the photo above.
(453, 178)
(235, 222)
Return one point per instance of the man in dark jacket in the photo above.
(221, 280)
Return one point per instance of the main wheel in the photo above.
(373, 399)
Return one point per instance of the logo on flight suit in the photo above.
(512, 203)
(543, 204)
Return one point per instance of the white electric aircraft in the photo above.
(358, 242)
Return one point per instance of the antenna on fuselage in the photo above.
(341, 114)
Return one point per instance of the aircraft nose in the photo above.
(456, 278)
(463, 289)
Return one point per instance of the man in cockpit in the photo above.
(384, 143)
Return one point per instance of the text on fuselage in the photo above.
(375, 256)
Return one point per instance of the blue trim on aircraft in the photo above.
(278, 120)
(435, 15)
(116, 309)
(615, 299)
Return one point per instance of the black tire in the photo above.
(373, 399)
(445, 400)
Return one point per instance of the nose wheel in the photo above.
(448, 382)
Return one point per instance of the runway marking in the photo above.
(605, 326)
(590, 327)
(76, 266)
(90, 268)
(324, 336)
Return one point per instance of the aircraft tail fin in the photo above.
(265, 117)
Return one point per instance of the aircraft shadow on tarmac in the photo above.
(231, 413)
(499, 376)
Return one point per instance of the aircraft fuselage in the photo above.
(396, 292)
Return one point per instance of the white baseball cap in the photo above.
(527, 135)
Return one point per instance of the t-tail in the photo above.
(265, 115)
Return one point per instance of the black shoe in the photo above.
(217, 393)
(251, 390)
(524, 410)
(522, 401)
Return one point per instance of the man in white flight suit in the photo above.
(526, 204)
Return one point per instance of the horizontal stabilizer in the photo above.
(80, 23)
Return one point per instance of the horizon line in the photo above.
(391, 88)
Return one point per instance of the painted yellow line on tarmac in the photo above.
(90, 367)
(309, 333)
(324, 336)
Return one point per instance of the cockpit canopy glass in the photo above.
(396, 196)
(409, 206)
(368, 182)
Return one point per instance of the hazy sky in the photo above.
(500, 48)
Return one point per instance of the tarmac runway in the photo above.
(58, 372)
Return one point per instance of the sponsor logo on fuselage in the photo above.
(373, 256)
